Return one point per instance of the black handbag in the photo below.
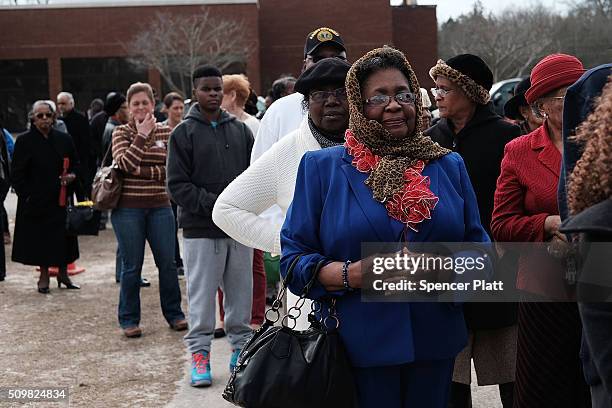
(280, 367)
(82, 220)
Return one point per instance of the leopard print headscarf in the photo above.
(396, 154)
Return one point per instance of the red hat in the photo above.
(553, 72)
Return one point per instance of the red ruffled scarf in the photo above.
(415, 202)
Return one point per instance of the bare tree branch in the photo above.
(175, 45)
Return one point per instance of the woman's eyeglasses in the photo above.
(322, 96)
(440, 92)
(403, 98)
(43, 115)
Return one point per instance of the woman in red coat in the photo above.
(548, 370)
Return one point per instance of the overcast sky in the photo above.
(453, 8)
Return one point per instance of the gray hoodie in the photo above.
(203, 158)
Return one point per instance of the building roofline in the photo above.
(126, 3)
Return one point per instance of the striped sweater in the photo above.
(143, 163)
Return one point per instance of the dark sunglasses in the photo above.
(322, 96)
(44, 115)
(403, 98)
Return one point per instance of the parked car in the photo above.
(502, 91)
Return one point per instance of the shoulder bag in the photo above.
(280, 367)
(107, 185)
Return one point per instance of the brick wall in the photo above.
(100, 31)
(284, 25)
(415, 33)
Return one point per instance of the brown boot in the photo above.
(179, 325)
(132, 332)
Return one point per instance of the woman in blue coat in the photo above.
(402, 353)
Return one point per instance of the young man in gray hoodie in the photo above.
(206, 152)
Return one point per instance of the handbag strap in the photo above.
(110, 147)
(317, 304)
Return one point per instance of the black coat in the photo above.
(96, 127)
(594, 224)
(78, 127)
(481, 144)
(40, 236)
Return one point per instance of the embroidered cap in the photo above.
(323, 35)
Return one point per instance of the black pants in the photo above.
(177, 251)
(5, 228)
(461, 395)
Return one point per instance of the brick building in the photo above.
(80, 48)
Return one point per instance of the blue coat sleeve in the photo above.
(300, 232)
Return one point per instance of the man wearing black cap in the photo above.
(519, 110)
(285, 114)
(470, 126)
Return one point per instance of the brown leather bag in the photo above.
(107, 185)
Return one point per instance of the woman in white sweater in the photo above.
(270, 180)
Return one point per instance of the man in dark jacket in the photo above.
(205, 153)
(469, 126)
(78, 127)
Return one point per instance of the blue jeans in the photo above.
(134, 226)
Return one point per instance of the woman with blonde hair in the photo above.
(143, 212)
(236, 91)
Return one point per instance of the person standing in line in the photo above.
(402, 354)
(271, 179)
(286, 113)
(208, 150)
(78, 127)
(174, 105)
(469, 126)
(143, 212)
(236, 90)
(548, 367)
(95, 106)
(97, 124)
(517, 109)
(590, 205)
(580, 100)
(119, 116)
(40, 237)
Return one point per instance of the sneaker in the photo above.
(200, 369)
(234, 359)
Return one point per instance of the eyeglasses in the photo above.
(403, 98)
(43, 115)
(557, 97)
(440, 92)
(317, 58)
(322, 96)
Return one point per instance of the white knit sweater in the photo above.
(269, 180)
